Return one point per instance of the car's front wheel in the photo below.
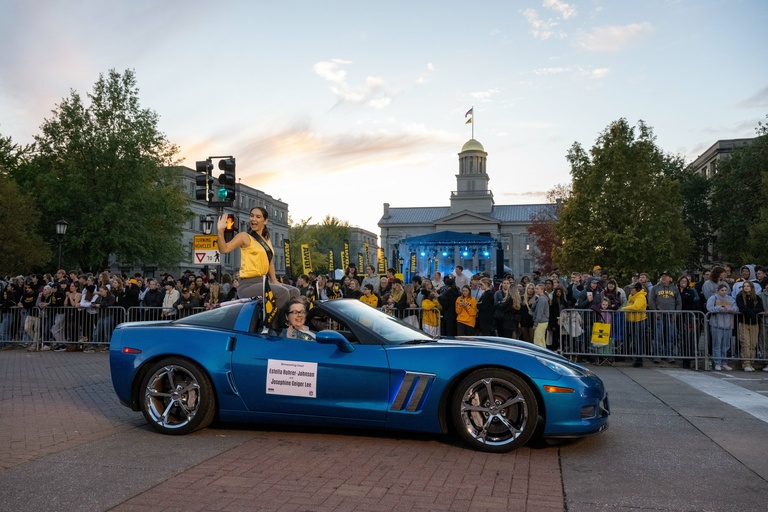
(494, 410)
(177, 397)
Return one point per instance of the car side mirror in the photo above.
(329, 337)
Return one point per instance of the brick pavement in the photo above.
(56, 402)
(51, 402)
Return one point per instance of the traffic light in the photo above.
(226, 191)
(204, 180)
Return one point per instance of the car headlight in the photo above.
(562, 369)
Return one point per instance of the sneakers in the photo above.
(727, 368)
(748, 369)
(89, 349)
(718, 368)
(32, 348)
(60, 348)
(45, 348)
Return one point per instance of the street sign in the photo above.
(205, 250)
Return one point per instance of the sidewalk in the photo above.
(67, 444)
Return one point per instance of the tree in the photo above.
(108, 170)
(330, 234)
(624, 213)
(739, 199)
(24, 250)
(696, 194)
(543, 228)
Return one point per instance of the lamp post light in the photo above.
(61, 230)
(206, 223)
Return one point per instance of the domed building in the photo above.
(472, 232)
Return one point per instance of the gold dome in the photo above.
(472, 145)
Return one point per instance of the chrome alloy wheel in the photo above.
(171, 397)
(494, 410)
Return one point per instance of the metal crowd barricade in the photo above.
(735, 351)
(146, 314)
(649, 334)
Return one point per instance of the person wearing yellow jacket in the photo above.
(637, 320)
(430, 317)
(466, 313)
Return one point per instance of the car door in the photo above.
(296, 377)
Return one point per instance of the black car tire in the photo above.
(177, 397)
(494, 410)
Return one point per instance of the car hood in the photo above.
(505, 344)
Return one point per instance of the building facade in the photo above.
(472, 231)
(706, 163)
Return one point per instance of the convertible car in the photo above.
(366, 369)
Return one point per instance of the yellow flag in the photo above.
(468, 121)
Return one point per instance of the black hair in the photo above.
(264, 232)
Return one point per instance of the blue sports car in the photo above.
(366, 369)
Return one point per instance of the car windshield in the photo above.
(392, 330)
(222, 318)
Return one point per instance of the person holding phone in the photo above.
(256, 258)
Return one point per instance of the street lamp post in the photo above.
(61, 230)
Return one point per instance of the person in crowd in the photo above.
(637, 319)
(118, 291)
(58, 329)
(430, 319)
(474, 287)
(232, 293)
(716, 277)
(557, 304)
(426, 288)
(256, 258)
(447, 300)
(750, 306)
(485, 307)
(46, 317)
(131, 294)
(201, 290)
(397, 301)
(747, 273)
(500, 304)
(102, 332)
(302, 283)
(705, 275)
(172, 295)
(526, 313)
(575, 291)
(763, 335)
(412, 291)
(226, 284)
(371, 277)
(295, 316)
(214, 296)
(369, 297)
(665, 299)
(74, 313)
(30, 314)
(460, 277)
(540, 316)
(186, 304)
(437, 281)
(466, 312)
(353, 292)
(723, 307)
(688, 325)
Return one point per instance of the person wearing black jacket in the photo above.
(103, 330)
(750, 306)
(485, 308)
(447, 301)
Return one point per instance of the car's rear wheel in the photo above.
(177, 397)
(494, 410)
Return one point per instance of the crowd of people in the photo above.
(74, 310)
(78, 311)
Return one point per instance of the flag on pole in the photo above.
(469, 112)
(469, 121)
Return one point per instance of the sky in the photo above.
(337, 107)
